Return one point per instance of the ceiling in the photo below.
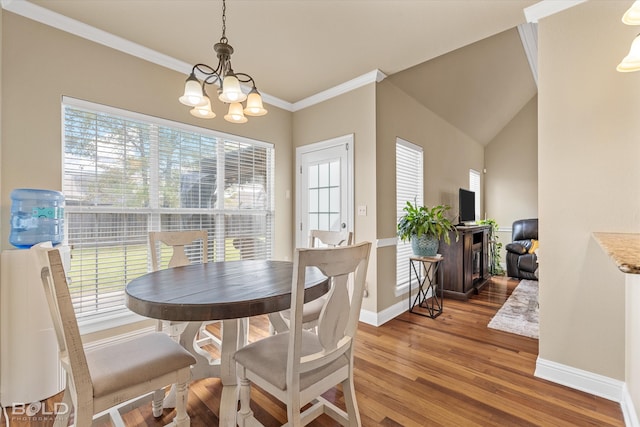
(465, 52)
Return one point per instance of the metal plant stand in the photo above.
(426, 271)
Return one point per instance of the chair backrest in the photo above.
(339, 317)
(72, 356)
(178, 240)
(525, 229)
(319, 238)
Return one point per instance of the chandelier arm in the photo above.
(212, 79)
(205, 69)
(247, 78)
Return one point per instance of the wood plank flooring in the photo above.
(417, 371)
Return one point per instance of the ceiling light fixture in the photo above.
(229, 92)
(631, 62)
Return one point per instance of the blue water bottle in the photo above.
(36, 216)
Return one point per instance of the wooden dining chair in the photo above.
(311, 310)
(186, 247)
(103, 378)
(298, 366)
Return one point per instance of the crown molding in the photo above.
(375, 76)
(529, 37)
(77, 28)
(546, 8)
(45, 16)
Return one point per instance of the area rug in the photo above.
(519, 314)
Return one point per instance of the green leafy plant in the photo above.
(419, 220)
(495, 268)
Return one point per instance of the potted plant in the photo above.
(424, 227)
(495, 269)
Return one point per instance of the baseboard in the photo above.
(628, 409)
(598, 385)
(377, 319)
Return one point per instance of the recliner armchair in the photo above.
(520, 263)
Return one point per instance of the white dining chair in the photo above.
(185, 247)
(101, 379)
(279, 322)
(324, 238)
(298, 366)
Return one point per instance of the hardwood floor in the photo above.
(417, 371)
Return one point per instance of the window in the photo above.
(409, 161)
(126, 174)
(474, 185)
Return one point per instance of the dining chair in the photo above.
(279, 322)
(186, 246)
(324, 238)
(103, 378)
(298, 366)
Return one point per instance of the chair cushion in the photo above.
(310, 311)
(524, 229)
(268, 359)
(131, 362)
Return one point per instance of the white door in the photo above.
(324, 187)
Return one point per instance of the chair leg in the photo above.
(181, 419)
(62, 417)
(245, 413)
(293, 414)
(156, 403)
(350, 401)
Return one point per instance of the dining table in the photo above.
(230, 291)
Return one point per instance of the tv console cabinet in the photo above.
(466, 261)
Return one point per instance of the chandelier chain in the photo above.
(224, 21)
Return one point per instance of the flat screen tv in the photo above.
(467, 206)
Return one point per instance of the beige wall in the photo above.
(41, 65)
(511, 178)
(589, 159)
(351, 113)
(448, 156)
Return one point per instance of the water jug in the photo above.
(36, 216)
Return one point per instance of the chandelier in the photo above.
(229, 92)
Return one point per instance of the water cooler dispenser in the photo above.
(30, 369)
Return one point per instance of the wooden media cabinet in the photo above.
(466, 261)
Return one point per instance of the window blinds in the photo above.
(409, 187)
(126, 174)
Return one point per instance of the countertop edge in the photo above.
(623, 248)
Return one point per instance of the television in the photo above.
(467, 206)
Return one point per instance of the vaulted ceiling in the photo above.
(463, 59)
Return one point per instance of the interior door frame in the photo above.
(318, 146)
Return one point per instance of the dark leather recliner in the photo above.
(520, 263)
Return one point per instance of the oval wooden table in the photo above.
(229, 291)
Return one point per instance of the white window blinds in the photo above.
(126, 174)
(474, 185)
(409, 187)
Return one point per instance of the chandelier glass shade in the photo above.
(632, 15)
(229, 83)
(631, 62)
